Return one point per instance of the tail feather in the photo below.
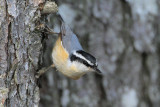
(64, 29)
(60, 17)
(62, 23)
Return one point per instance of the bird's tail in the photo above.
(60, 17)
(64, 29)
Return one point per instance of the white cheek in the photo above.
(81, 67)
(69, 63)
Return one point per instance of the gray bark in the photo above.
(20, 50)
(124, 36)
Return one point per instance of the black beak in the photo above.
(97, 70)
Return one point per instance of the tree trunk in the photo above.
(20, 50)
(124, 35)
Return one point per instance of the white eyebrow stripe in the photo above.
(82, 57)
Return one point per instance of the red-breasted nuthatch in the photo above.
(69, 57)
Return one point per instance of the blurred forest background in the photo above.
(124, 35)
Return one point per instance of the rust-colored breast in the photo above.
(59, 54)
(60, 60)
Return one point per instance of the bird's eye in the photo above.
(96, 64)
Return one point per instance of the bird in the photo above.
(69, 57)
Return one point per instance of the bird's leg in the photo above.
(44, 28)
(49, 31)
(43, 70)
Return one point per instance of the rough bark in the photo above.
(20, 50)
(124, 35)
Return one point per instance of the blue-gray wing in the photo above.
(69, 39)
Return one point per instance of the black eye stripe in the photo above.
(88, 56)
(75, 58)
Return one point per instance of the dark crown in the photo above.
(84, 57)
